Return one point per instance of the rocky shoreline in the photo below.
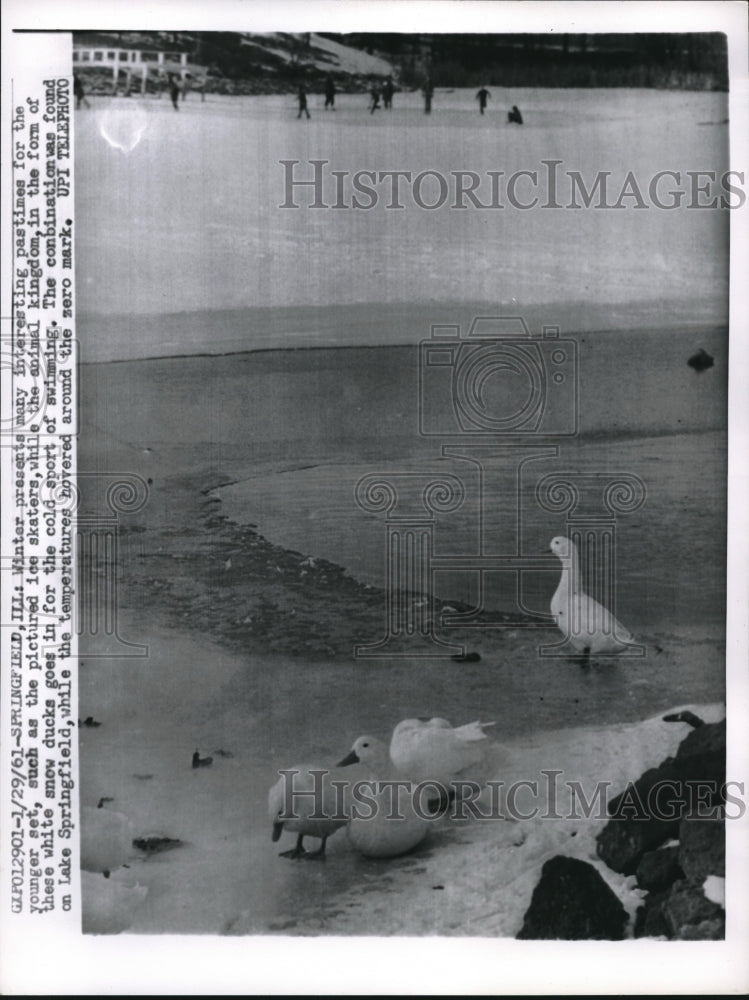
(674, 845)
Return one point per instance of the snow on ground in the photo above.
(335, 56)
(350, 60)
(227, 877)
(479, 876)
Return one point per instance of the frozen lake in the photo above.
(182, 251)
(188, 219)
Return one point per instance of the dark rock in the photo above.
(689, 717)
(701, 361)
(156, 844)
(702, 753)
(710, 737)
(638, 821)
(690, 915)
(702, 848)
(573, 903)
(682, 912)
(649, 810)
(708, 930)
(657, 870)
(649, 919)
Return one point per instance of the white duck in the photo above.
(588, 626)
(332, 812)
(386, 820)
(106, 839)
(432, 750)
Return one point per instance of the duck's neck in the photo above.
(570, 578)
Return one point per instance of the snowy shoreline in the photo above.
(478, 878)
(225, 877)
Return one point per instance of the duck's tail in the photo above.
(473, 731)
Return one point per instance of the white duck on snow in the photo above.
(387, 817)
(305, 814)
(432, 750)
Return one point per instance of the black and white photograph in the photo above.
(408, 346)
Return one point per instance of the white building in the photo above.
(135, 62)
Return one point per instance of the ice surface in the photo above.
(189, 219)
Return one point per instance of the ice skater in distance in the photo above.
(482, 97)
(302, 99)
(329, 93)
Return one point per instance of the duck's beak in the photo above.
(350, 758)
(277, 828)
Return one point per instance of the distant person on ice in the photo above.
(387, 94)
(302, 98)
(482, 97)
(174, 90)
(80, 93)
(514, 116)
(375, 95)
(329, 93)
(428, 94)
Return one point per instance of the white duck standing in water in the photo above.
(589, 627)
(313, 815)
